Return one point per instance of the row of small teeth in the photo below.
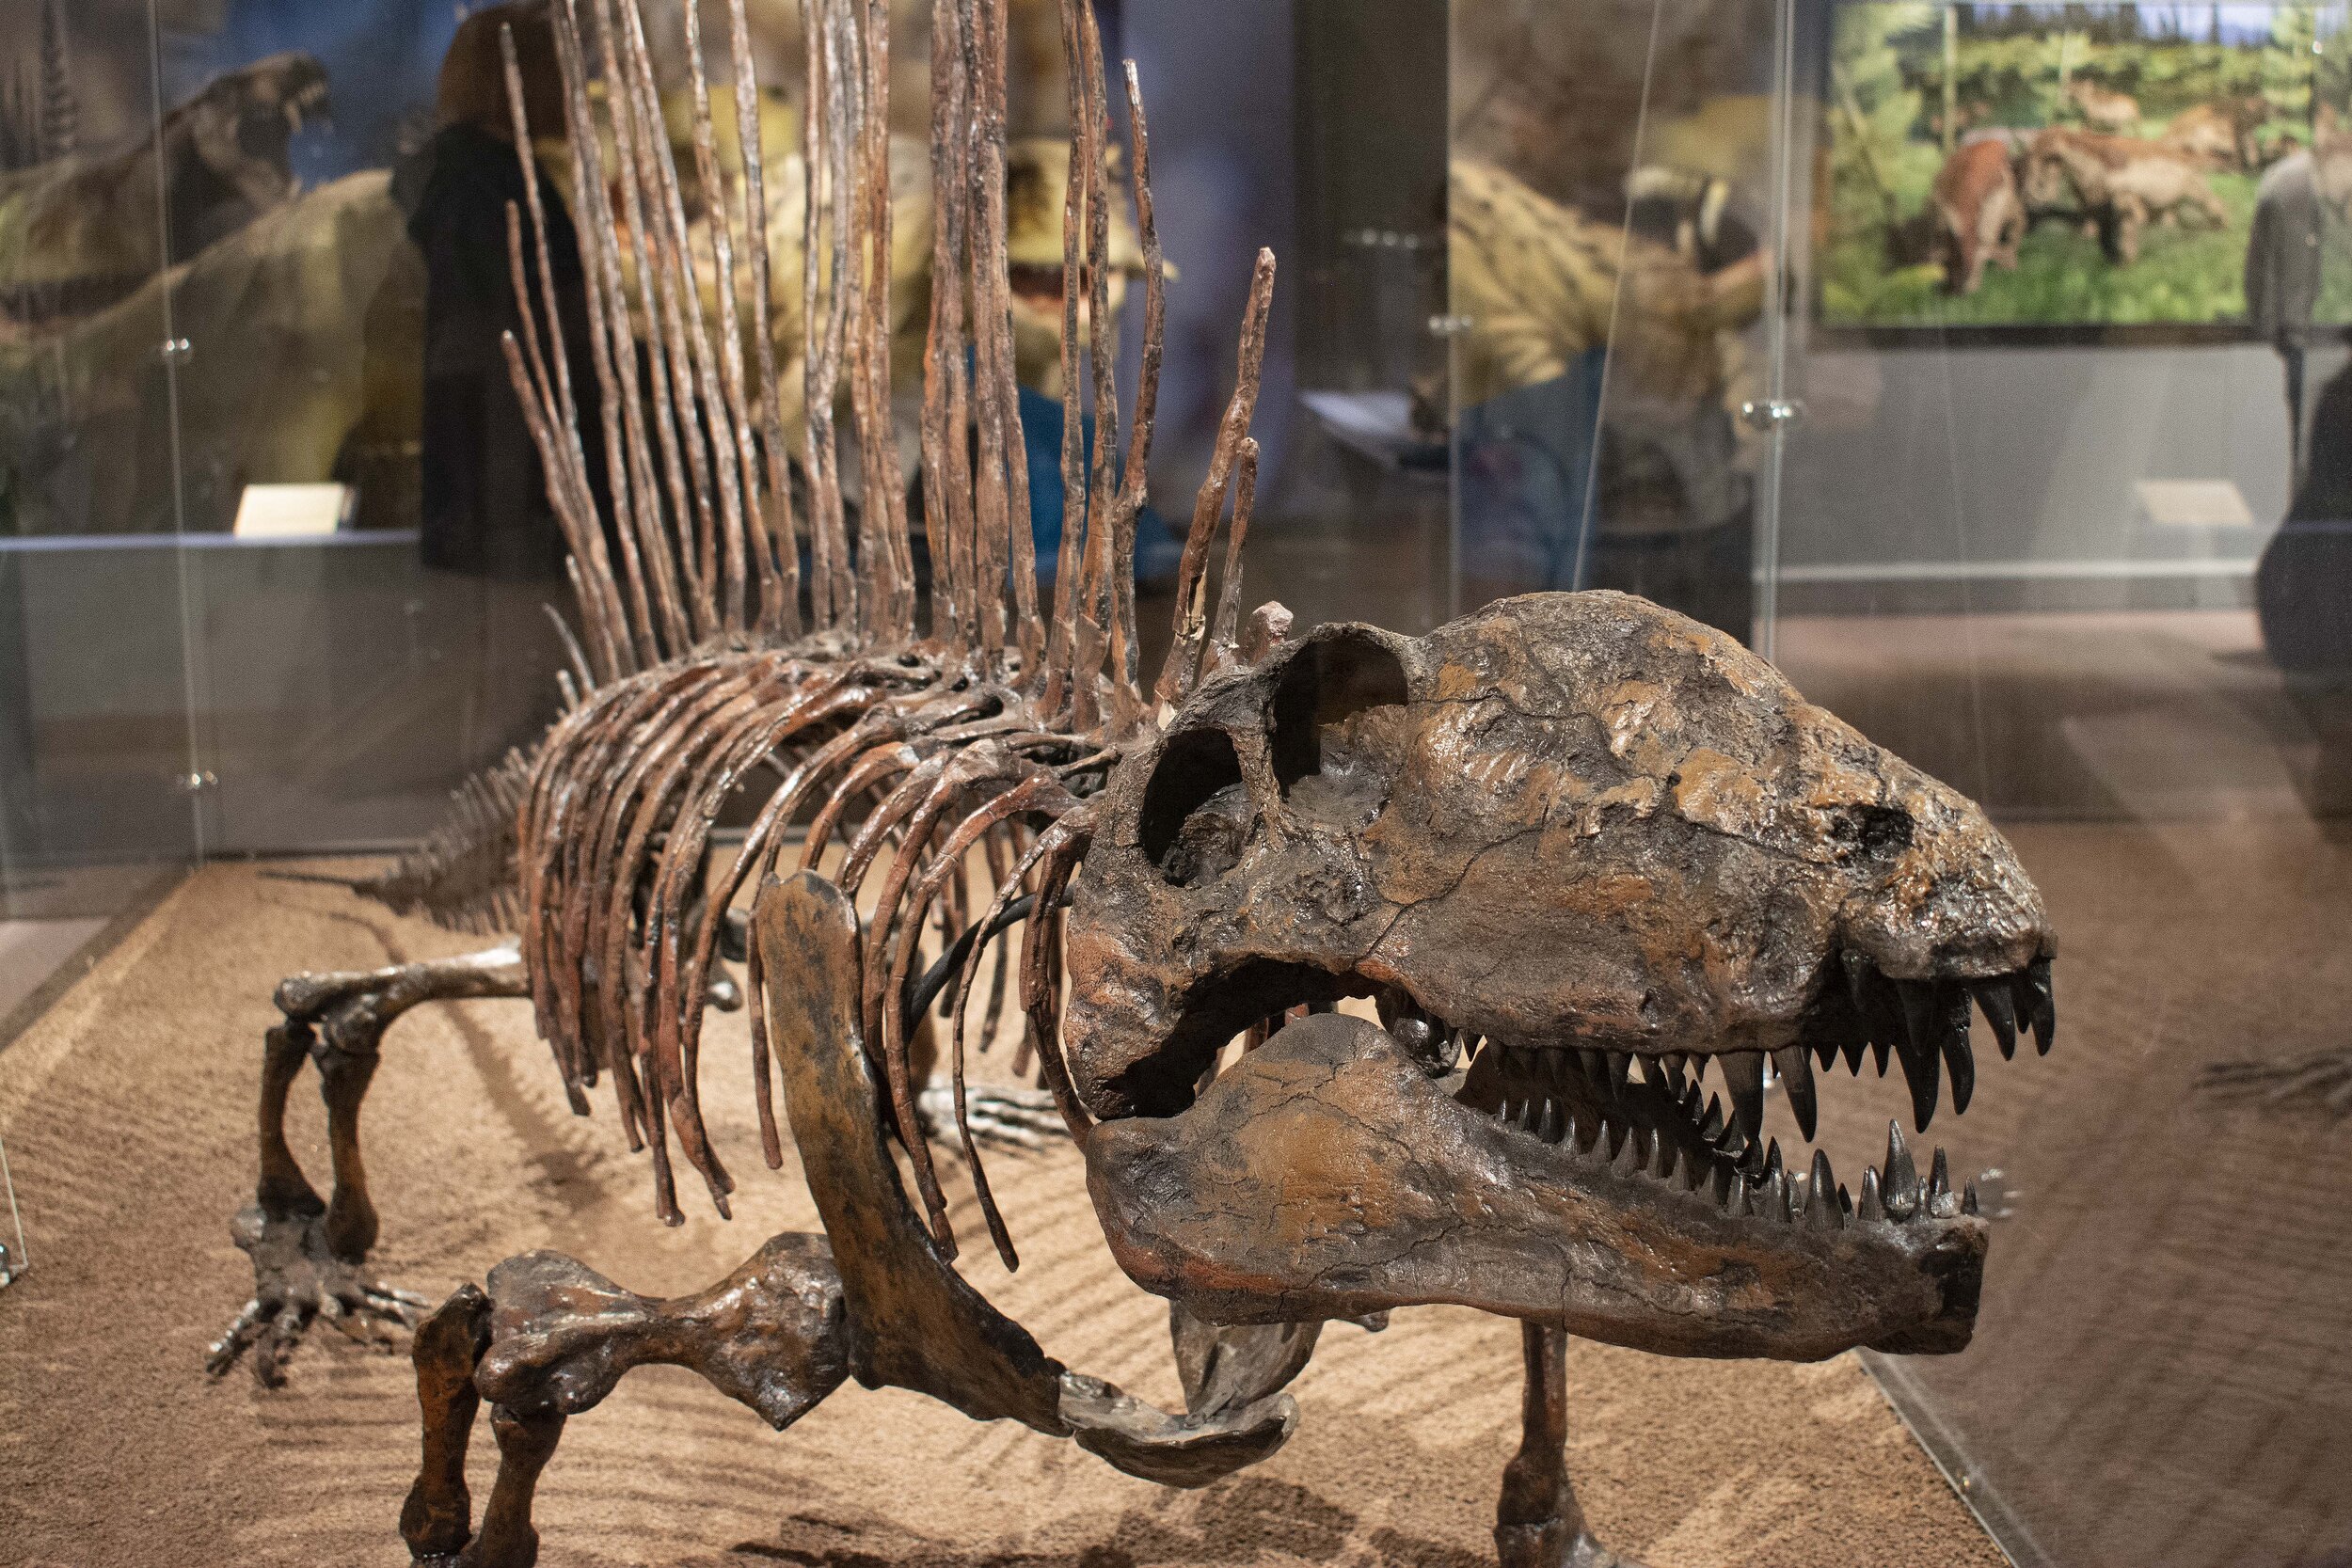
(1749, 1183)
(1932, 1043)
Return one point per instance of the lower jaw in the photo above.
(1324, 1176)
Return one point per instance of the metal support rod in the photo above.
(16, 1217)
(1770, 478)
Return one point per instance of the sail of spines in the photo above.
(713, 654)
(462, 875)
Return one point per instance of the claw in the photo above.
(299, 1282)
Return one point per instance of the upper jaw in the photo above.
(1328, 1174)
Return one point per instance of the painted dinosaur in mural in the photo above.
(78, 233)
(1576, 852)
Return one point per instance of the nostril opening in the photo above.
(1876, 831)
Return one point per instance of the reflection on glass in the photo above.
(1605, 270)
(2064, 524)
(94, 720)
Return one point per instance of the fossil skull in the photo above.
(1580, 851)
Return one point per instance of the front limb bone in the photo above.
(308, 1254)
(553, 1338)
(1539, 1524)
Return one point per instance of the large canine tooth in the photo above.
(1902, 1177)
(1821, 1212)
(2035, 1003)
(1959, 1061)
(2001, 1011)
(1872, 1206)
(1922, 1068)
(1743, 1076)
(1796, 1073)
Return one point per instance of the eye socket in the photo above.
(1195, 809)
(1337, 711)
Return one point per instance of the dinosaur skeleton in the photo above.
(1556, 840)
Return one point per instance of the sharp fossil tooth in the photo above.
(1595, 1063)
(1712, 1125)
(1531, 1113)
(1779, 1198)
(1796, 1073)
(1643, 1140)
(1665, 1165)
(1968, 1199)
(1743, 1077)
(1751, 1160)
(1821, 1212)
(1902, 1178)
(1922, 1069)
(1548, 1129)
(1825, 1052)
(1691, 1102)
(1855, 1047)
(1959, 1061)
(1698, 1068)
(1731, 1193)
(1558, 1065)
(1620, 1068)
(2001, 1012)
(2035, 1002)
(1670, 1065)
(1939, 1178)
(1771, 1159)
(1871, 1206)
(1612, 1134)
(1859, 973)
(1878, 1052)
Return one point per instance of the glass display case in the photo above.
(1983, 366)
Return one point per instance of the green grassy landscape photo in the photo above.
(2094, 105)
